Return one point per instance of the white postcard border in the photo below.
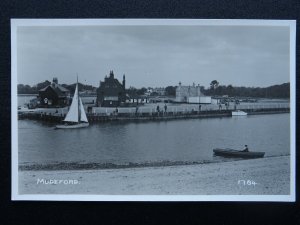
(15, 23)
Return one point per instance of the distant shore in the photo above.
(266, 176)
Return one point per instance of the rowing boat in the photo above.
(237, 153)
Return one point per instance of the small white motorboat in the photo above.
(238, 113)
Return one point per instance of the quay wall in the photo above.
(57, 116)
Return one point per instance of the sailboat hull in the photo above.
(73, 126)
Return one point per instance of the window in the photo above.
(111, 98)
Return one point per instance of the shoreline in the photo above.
(271, 175)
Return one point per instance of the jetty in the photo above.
(101, 115)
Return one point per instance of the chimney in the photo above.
(123, 82)
(111, 74)
(55, 80)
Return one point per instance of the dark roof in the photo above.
(58, 89)
(110, 81)
(54, 85)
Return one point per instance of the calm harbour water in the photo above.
(186, 141)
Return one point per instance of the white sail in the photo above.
(83, 117)
(72, 115)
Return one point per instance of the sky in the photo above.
(154, 56)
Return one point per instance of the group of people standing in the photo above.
(137, 109)
(226, 105)
(158, 109)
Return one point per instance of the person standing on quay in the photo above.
(157, 109)
(166, 108)
(136, 110)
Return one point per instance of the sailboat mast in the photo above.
(78, 102)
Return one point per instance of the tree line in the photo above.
(27, 89)
(215, 89)
(274, 91)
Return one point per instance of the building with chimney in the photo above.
(111, 93)
(54, 95)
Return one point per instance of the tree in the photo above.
(214, 84)
(141, 91)
(42, 85)
(26, 89)
(170, 91)
(230, 90)
(220, 90)
(132, 92)
(275, 91)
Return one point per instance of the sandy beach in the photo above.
(266, 176)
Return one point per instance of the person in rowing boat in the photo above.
(245, 149)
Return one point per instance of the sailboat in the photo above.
(76, 117)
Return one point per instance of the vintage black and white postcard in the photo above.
(153, 110)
